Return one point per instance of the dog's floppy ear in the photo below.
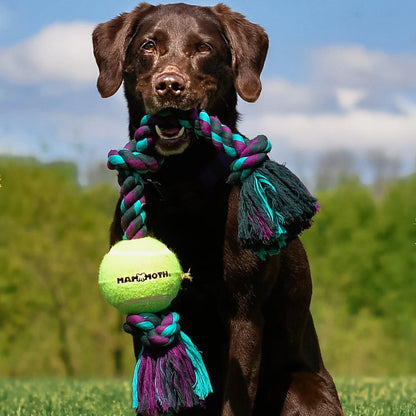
(110, 41)
(249, 44)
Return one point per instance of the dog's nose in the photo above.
(170, 83)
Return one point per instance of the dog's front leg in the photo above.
(243, 275)
(243, 365)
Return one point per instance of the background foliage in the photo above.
(53, 234)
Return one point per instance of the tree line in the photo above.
(54, 233)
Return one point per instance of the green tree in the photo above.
(53, 319)
(363, 257)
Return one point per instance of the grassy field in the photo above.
(368, 396)
(46, 397)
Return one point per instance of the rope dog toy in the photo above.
(141, 276)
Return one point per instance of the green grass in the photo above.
(378, 396)
(360, 396)
(61, 397)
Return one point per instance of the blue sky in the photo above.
(340, 75)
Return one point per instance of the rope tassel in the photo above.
(170, 374)
(274, 207)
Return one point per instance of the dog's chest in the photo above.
(188, 212)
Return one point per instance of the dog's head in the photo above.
(180, 57)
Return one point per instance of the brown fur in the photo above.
(250, 318)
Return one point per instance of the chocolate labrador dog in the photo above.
(250, 318)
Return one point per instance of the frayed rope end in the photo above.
(275, 207)
(172, 376)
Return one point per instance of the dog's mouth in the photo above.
(172, 138)
(170, 133)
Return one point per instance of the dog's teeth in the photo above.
(158, 131)
(181, 131)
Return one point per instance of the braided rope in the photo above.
(157, 330)
(248, 154)
(138, 157)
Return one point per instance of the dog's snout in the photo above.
(170, 83)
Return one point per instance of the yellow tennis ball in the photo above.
(140, 275)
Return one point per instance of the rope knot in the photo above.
(253, 156)
(157, 330)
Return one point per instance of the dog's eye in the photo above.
(203, 47)
(149, 46)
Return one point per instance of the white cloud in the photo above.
(348, 98)
(356, 130)
(354, 66)
(60, 52)
(281, 95)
